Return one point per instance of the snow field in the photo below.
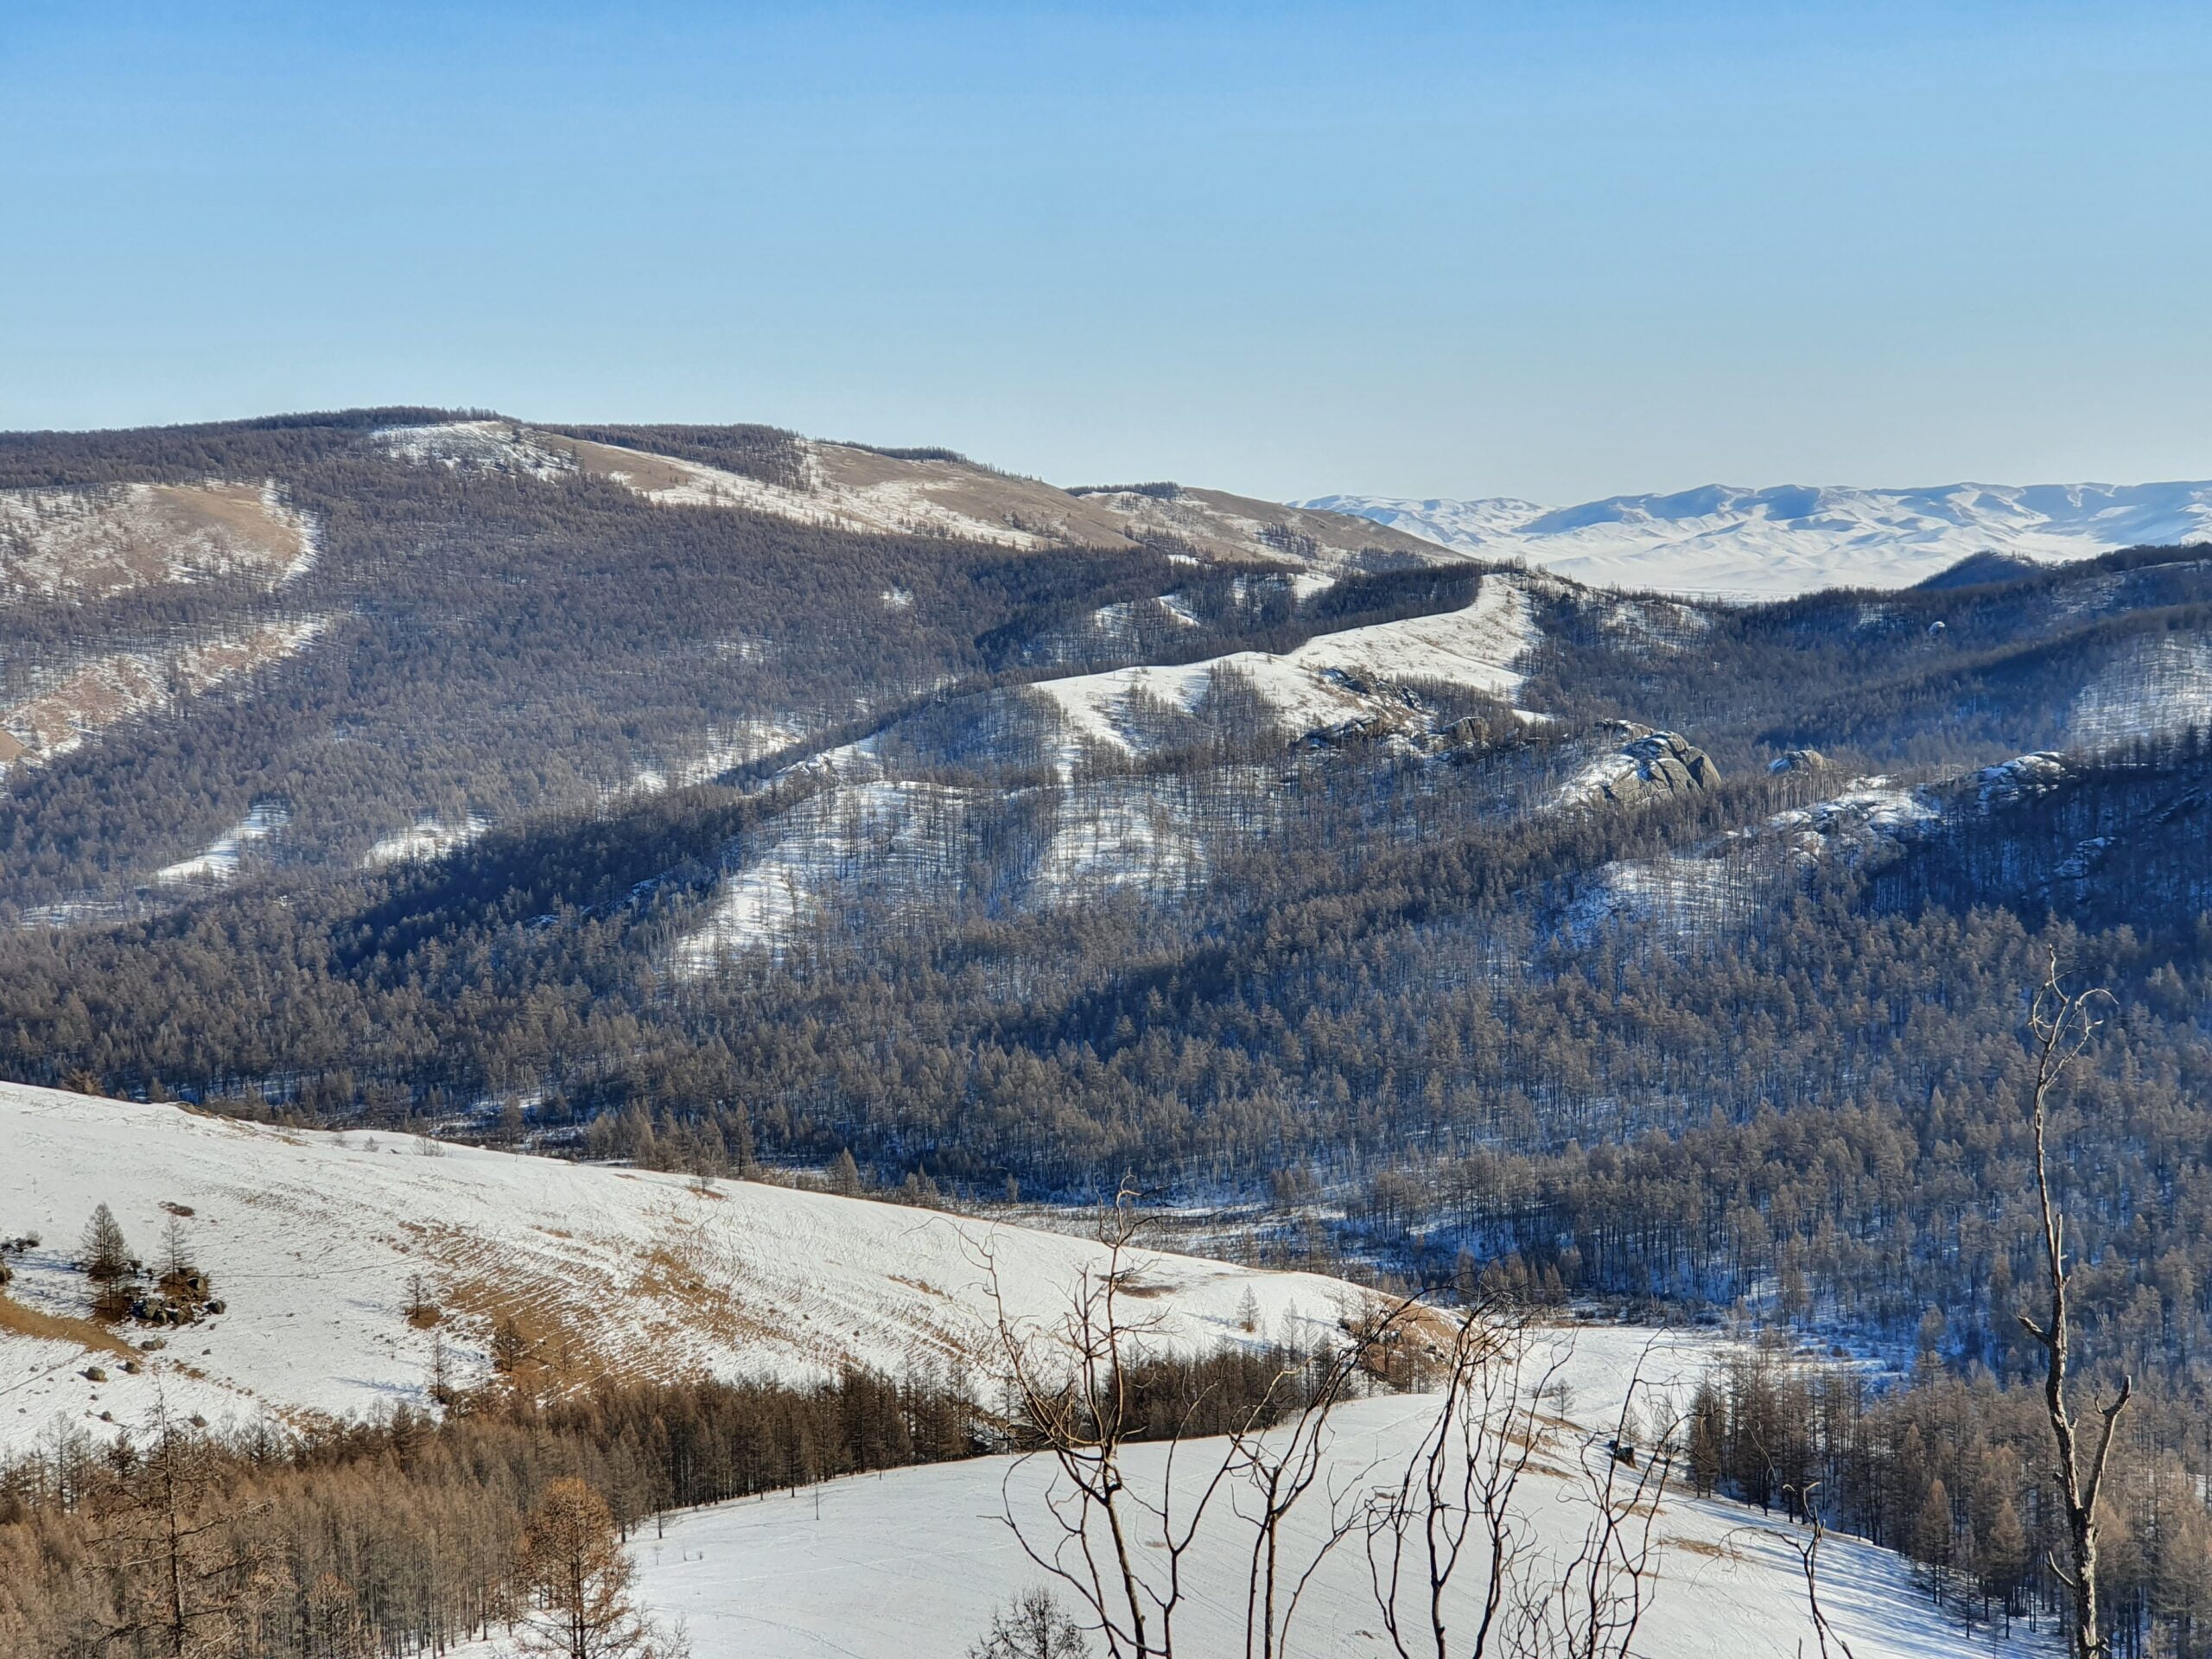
(313, 1240)
(431, 837)
(844, 487)
(913, 1563)
(909, 840)
(220, 862)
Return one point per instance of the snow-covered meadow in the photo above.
(315, 1239)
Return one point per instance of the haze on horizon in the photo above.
(1556, 251)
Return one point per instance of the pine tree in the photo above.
(177, 1260)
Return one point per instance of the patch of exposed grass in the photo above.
(21, 1322)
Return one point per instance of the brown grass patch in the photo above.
(1704, 1546)
(556, 1355)
(235, 508)
(1128, 1285)
(22, 1321)
(679, 1275)
(640, 471)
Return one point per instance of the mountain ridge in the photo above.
(1785, 540)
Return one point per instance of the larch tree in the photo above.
(103, 1250)
(189, 1571)
(1035, 1626)
(581, 1584)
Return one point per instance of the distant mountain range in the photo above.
(1797, 538)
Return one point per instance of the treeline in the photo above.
(400, 1536)
(1952, 1471)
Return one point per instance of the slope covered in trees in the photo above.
(761, 840)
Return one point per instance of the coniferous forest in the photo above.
(1746, 1045)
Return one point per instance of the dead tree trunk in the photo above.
(2062, 1025)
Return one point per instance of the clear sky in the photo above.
(1552, 249)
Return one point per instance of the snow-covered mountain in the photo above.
(1795, 538)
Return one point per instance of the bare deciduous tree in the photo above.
(1278, 1469)
(186, 1587)
(1035, 1627)
(2062, 1024)
(1071, 1385)
(1806, 1547)
(1457, 1495)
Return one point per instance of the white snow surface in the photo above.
(907, 840)
(1723, 878)
(728, 747)
(220, 862)
(915, 1561)
(2022, 778)
(312, 1239)
(1325, 684)
(431, 837)
(886, 497)
(850, 488)
(1769, 543)
(2159, 684)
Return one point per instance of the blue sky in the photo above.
(1555, 250)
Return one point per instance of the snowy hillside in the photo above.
(850, 488)
(313, 1241)
(78, 702)
(916, 1561)
(1332, 682)
(1794, 539)
(909, 841)
(97, 543)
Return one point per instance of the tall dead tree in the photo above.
(2062, 1024)
(1279, 1466)
(1121, 1547)
(1494, 1423)
(1071, 1384)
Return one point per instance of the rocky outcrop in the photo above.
(1648, 766)
(1799, 760)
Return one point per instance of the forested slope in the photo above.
(1678, 948)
